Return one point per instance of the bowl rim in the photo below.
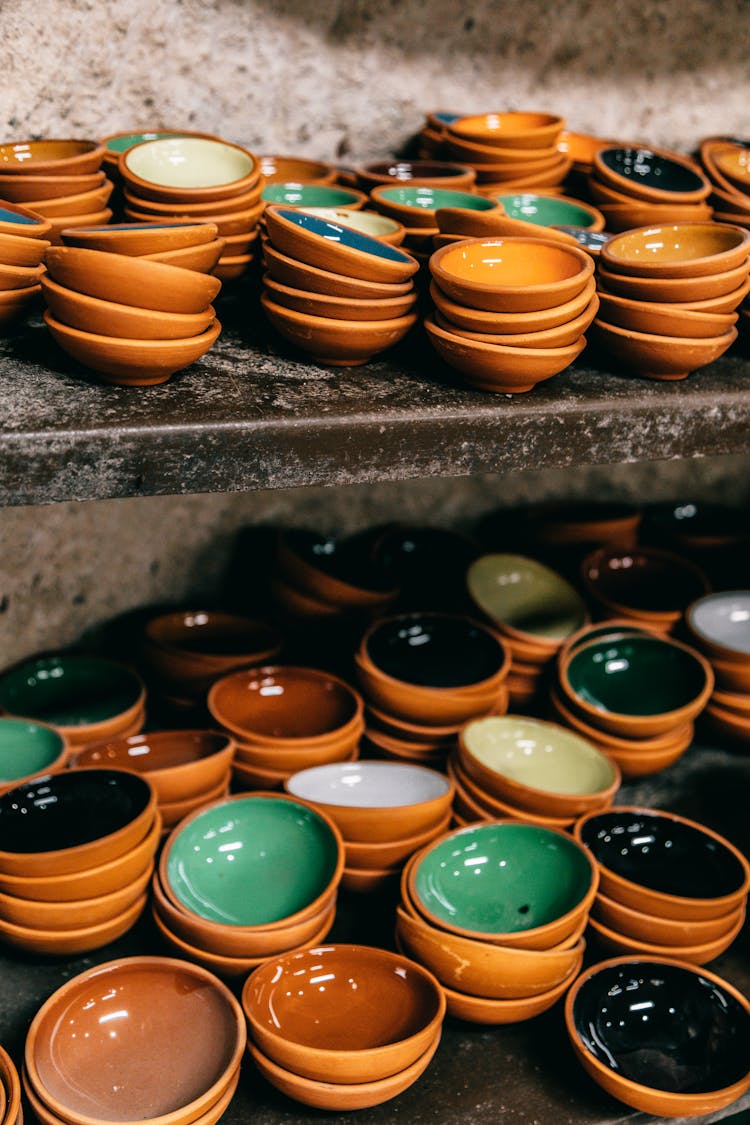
(547, 646)
(585, 262)
(221, 617)
(689, 267)
(213, 192)
(680, 562)
(657, 339)
(379, 809)
(706, 950)
(91, 151)
(602, 170)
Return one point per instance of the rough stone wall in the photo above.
(351, 78)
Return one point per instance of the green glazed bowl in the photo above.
(252, 861)
(28, 748)
(430, 198)
(69, 691)
(638, 675)
(546, 210)
(525, 596)
(309, 195)
(123, 141)
(501, 879)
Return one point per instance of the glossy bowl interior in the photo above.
(525, 595)
(678, 249)
(208, 637)
(642, 168)
(549, 210)
(27, 748)
(290, 854)
(435, 650)
(519, 263)
(69, 691)
(188, 162)
(721, 623)
(643, 580)
(310, 195)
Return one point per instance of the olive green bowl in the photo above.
(525, 597)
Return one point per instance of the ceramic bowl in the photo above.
(636, 686)
(83, 203)
(511, 275)
(681, 290)
(194, 648)
(551, 211)
(29, 748)
(375, 802)
(678, 250)
(338, 308)
(137, 239)
(127, 362)
(728, 722)
(481, 969)
(481, 1010)
(230, 218)
(21, 222)
(422, 705)
(288, 169)
(203, 258)
(159, 1004)
(300, 275)
(131, 281)
(501, 878)
(525, 599)
(85, 698)
(288, 760)
(660, 357)
(76, 915)
(312, 195)
(173, 812)
(613, 744)
(415, 206)
(65, 222)
(653, 929)
(30, 189)
(19, 277)
(456, 224)
(536, 765)
(378, 1013)
(417, 173)
(115, 143)
(656, 176)
(482, 320)
(107, 318)
(292, 854)
(69, 822)
(484, 805)
(367, 222)
(663, 864)
(179, 764)
(18, 251)
(286, 706)
(336, 343)
(51, 157)
(336, 572)
(649, 585)
(332, 247)
(339, 1095)
(188, 169)
(626, 1019)
(563, 336)
(392, 854)
(82, 939)
(514, 129)
(481, 153)
(720, 624)
(662, 319)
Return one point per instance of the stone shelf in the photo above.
(251, 416)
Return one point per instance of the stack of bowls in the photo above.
(23, 241)
(416, 206)
(651, 587)
(142, 1038)
(134, 307)
(247, 878)
(725, 163)
(415, 173)
(285, 719)
(456, 223)
(385, 812)
(76, 858)
(713, 535)
(192, 245)
(719, 626)
(549, 210)
(563, 533)
(85, 698)
(186, 652)
(11, 1112)
(187, 768)
(370, 223)
(496, 911)
(59, 179)
(579, 149)
(431, 136)
(510, 312)
(667, 295)
(425, 675)
(197, 178)
(359, 290)
(668, 887)
(28, 749)
(511, 151)
(316, 576)
(362, 1039)
(312, 195)
(296, 169)
(529, 770)
(533, 608)
(634, 186)
(682, 1067)
(634, 695)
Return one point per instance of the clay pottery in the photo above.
(137, 239)
(718, 623)
(527, 601)
(657, 356)
(108, 318)
(21, 222)
(653, 929)
(19, 277)
(199, 258)
(368, 222)
(513, 130)
(68, 917)
(51, 157)
(28, 189)
(674, 289)
(652, 175)
(481, 1010)
(338, 308)
(551, 210)
(563, 336)
(82, 203)
(11, 1086)
(482, 320)
(337, 343)
(662, 319)
(391, 854)
(415, 206)
(18, 251)
(83, 939)
(422, 173)
(678, 250)
(287, 169)
(648, 585)
(300, 275)
(313, 195)
(188, 169)
(484, 805)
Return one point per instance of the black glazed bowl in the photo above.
(428, 564)
(664, 864)
(650, 175)
(662, 1036)
(339, 572)
(73, 821)
(68, 690)
(435, 650)
(643, 580)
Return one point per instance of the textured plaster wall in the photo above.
(352, 78)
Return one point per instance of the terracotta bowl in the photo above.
(79, 914)
(51, 157)
(21, 222)
(662, 319)
(394, 853)
(505, 899)
(337, 249)
(653, 929)
(537, 766)
(336, 572)
(339, 308)
(653, 175)
(312, 195)
(481, 969)
(650, 585)
(188, 170)
(604, 1014)
(285, 169)
(514, 129)
(660, 357)
(339, 1095)
(482, 153)
(131, 281)
(729, 723)
(174, 812)
(673, 289)
(563, 336)
(14, 303)
(239, 220)
(419, 705)
(28, 749)
(660, 863)
(678, 250)
(203, 258)
(731, 676)
(481, 1010)
(511, 275)
(301, 275)
(285, 761)
(482, 320)
(81, 203)
(83, 939)
(377, 1015)
(18, 251)
(161, 1005)
(194, 648)
(456, 225)
(370, 881)
(19, 277)
(137, 239)
(424, 173)
(127, 362)
(679, 737)
(107, 318)
(375, 802)
(28, 189)
(65, 222)
(478, 804)
(335, 343)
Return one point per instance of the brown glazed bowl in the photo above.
(286, 706)
(162, 1006)
(417, 173)
(378, 1013)
(651, 586)
(677, 250)
(295, 169)
(51, 157)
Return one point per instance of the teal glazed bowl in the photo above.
(637, 686)
(312, 195)
(70, 691)
(252, 861)
(501, 878)
(551, 211)
(29, 748)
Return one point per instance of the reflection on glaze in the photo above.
(636, 675)
(333, 232)
(646, 167)
(435, 650)
(368, 784)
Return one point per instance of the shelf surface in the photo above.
(251, 415)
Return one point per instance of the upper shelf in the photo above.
(249, 417)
